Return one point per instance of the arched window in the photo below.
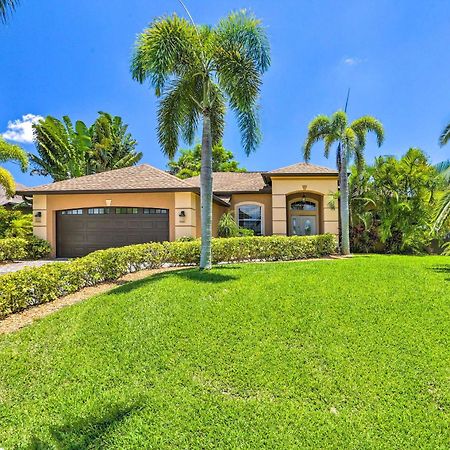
(303, 205)
(250, 216)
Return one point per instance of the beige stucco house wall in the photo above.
(276, 193)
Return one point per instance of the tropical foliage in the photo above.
(351, 141)
(68, 151)
(189, 162)
(227, 227)
(13, 153)
(15, 223)
(195, 70)
(393, 203)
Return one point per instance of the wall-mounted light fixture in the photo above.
(108, 202)
(182, 216)
(37, 216)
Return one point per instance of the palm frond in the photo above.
(238, 77)
(169, 47)
(443, 211)
(445, 136)
(248, 123)
(329, 140)
(243, 33)
(7, 7)
(339, 122)
(367, 124)
(318, 129)
(443, 169)
(11, 152)
(177, 106)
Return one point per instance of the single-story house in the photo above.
(142, 203)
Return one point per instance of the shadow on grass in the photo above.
(196, 275)
(85, 433)
(445, 269)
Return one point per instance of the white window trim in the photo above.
(261, 205)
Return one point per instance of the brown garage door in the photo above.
(81, 231)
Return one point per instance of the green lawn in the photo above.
(326, 354)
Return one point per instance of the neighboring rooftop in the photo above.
(234, 182)
(303, 169)
(5, 200)
(136, 178)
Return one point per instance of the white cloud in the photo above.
(21, 130)
(352, 61)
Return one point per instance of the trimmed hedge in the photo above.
(13, 248)
(21, 248)
(33, 286)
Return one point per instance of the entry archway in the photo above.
(304, 214)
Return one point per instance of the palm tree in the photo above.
(351, 140)
(195, 70)
(6, 7)
(112, 146)
(10, 152)
(62, 148)
(68, 151)
(443, 212)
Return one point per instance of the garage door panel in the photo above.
(80, 234)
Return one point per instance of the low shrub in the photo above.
(37, 248)
(21, 248)
(32, 286)
(13, 248)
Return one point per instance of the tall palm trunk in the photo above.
(344, 203)
(206, 194)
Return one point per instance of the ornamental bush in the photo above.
(33, 286)
(21, 248)
(12, 248)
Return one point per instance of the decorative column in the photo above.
(40, 216)
(330, 215)
(185, 215)
(279, 218)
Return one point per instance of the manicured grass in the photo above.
(323, 354)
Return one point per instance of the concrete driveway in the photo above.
(18, 265)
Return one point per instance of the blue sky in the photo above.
(72, 58)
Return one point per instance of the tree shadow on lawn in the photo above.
(86, 433)
(196, 275)
(445, 269)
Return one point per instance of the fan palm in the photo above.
(195, 70)
(351, 140)
(10, 152)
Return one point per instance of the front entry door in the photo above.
(303, 225)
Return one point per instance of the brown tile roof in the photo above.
(303, 169)
(4, 200)
(234, 182)
(136, 178)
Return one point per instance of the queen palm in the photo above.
(351, 141)
(195, 70)
(13, 153)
